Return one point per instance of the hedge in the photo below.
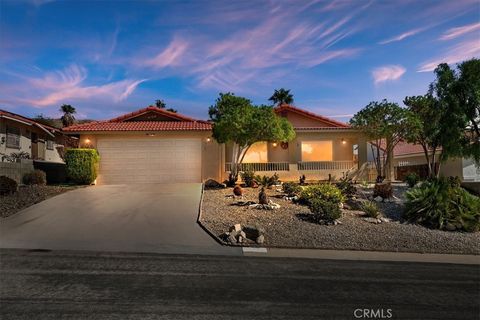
(82, 165)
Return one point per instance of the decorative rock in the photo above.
(213, 184)
(242, 234)
(378, 199)
(383, 219)
(240, 239)
(260, 239)
(450, 227)
(338, 222)
(231, 238)
(236, 228)
(252, 232)
(372, 220)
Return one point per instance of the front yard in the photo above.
(28, 196)
(291, 226)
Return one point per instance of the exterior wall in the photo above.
(341, 152)
(212, 152)
(15, 170)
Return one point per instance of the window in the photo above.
(13, 137)
(49, 144)
(257, 153)
(317, 151)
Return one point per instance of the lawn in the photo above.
(27, 196)
(291, 226)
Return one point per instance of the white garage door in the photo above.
(149, 160)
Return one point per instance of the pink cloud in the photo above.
(459, 31)
(464, 50)
(404, 35)
(171, 56)
(387, 73)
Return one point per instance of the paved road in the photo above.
(73, 285)
(158, 218)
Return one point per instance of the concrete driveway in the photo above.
(129, 218)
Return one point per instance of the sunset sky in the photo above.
(108, 58)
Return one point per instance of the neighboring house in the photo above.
(410, 156)
(154, 145)
(21, 134)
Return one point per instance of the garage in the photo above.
(127, 160)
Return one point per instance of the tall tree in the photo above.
(281, 96)
(161, 104)
(425, 128)
(237, 121)
(385, 124)
(68, 117)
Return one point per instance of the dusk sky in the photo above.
(108, 58)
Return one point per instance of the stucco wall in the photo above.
(212, 155)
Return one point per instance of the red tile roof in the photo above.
(170, 114)
(8, 114)
(141, 126)
(287, 107)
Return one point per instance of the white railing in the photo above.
(267, 166)
(325, 165)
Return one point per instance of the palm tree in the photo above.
(67, 119)
(281, 96)
(162, 105)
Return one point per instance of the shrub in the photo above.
(267, 181)
(439, 205)
(36, 177)
(82, 165)
(327, 192)
(248, 177)
(324, 209)
(383, 190)
(346, 186)
(291, 188)
(412, 179)
(370, 208)
(7, 185)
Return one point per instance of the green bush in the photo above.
(267, 181)
(370, 208)
(412, 179)
(82, 165)
(326, 191)
(36, 177)
(347, 187)
(7, 185)
(440, 205)
(291, 188)
(248, 177)
(324, 209)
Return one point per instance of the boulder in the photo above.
(236, 228)
(383, 190)
(253, 232)
(372, 220)
(378, 199)
(450, 227)
(213, 184)
(260, 239)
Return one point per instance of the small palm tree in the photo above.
(281, 96)
(67, 119)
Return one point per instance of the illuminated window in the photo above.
(257, 153)
(317, 151)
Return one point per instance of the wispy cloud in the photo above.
(170, 56)
(66, 85)
(460, 31)
(387, 73)
(464, 50)
(404, 35)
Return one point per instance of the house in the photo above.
(153, 145)
(19, 134)
(410, 157)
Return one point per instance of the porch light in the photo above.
(87, 141)
(343, 141)
(274, 144)
(209, 139)
(151, 134)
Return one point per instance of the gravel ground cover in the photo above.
(27, 196)
(290, 226)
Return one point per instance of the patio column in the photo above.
(362, 151)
